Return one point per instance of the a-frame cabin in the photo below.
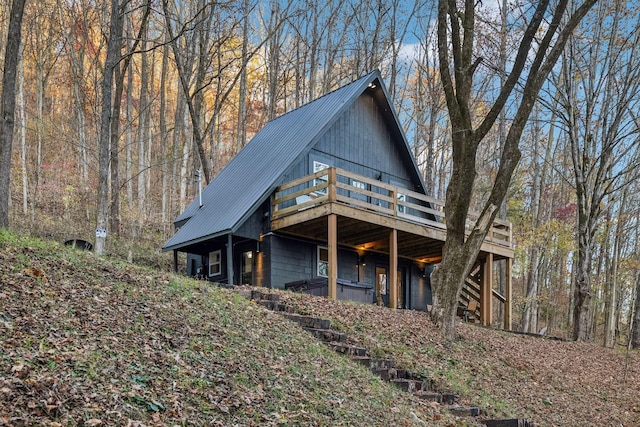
(329, 197)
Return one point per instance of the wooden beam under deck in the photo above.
(365, 230)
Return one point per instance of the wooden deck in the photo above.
(366, 214)
(346, 209)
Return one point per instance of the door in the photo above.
(401, 290)
(381, 285)
(246, 272)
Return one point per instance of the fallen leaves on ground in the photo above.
(551, 382)
(106, 343)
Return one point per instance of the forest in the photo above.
(194, 80)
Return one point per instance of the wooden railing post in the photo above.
(393, 204)
(333, 178)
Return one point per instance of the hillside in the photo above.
(89, 341)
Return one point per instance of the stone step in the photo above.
(510, 422)
(463, 411)
(373, 364)
(388, 374)
(308, 321)
(449, 398)
(266, 296)
(429, 396)
(410, 386)
(275, 306)
(327, 335)
(417, 385)
(349, 350)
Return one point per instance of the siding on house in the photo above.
(295, 259)
(353, 128)
(361, 142)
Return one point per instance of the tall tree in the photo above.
(635, 319)
(104, 141)
(599, 88)
(8, 104)
(458, 64)
(119, 73)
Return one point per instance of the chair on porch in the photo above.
(470, 312)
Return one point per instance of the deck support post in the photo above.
(230, 260)
(393, 268)
(486, 293)
(332, 249)
(507, 295)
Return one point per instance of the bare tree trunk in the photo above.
(39, 129)
(113, 45)
(143, 135)
(611, 303)
(194, 111)
(502, 134)
(164, 135)
(184, 169)
(178, 135)
(273, 69)
(120, 71)
(76, 61)
(23, 137)
(129, 133)
(7, 106)
(596, 108)
(242, 90)
(635, 334)
(458, 29)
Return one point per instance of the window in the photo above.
(323, 261)
(357, 195)
(318, 166)
(215, 263)
(401, 198)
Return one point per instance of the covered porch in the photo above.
(349, 210)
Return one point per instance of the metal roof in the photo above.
(254, 173)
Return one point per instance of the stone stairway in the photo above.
(417, 385)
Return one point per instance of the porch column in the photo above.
(175, 261)
(507, 295)
(393, 268)
(486, 293)
(230, 260)
(332, 248)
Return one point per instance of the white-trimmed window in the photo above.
(215, 263)
(323, 261)
(357, 195)
(318, 166)
(401, 198)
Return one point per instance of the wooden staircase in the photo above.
(417, 385)
(471, 288)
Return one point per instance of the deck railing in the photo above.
(334, 185)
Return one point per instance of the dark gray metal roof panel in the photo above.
(250, 177)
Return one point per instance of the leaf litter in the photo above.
(90, 341)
